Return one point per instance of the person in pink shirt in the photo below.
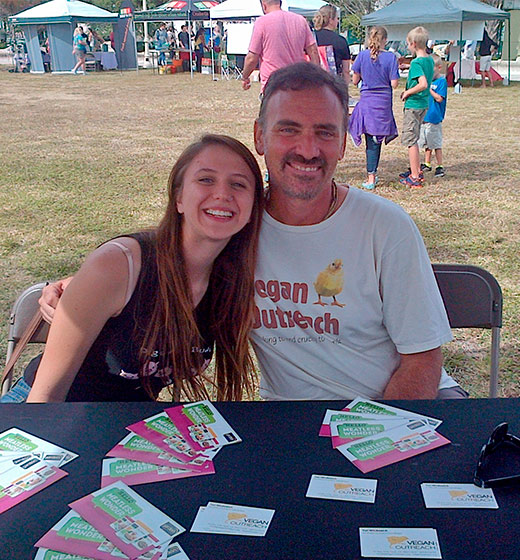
(279, 38)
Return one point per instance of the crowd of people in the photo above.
(225, 265)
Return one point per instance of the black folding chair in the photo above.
(473, 299)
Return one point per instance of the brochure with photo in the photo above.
(162, 432)
(126, 519)
(394, 445)
(22, 476)
(18, 441)
(72, 535)
(203, 426)
(136, 448)
(136, 472)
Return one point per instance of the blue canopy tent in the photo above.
(445, 19)
(60, 17)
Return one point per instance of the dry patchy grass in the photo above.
(85, 158)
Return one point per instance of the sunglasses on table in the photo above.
(499, 438)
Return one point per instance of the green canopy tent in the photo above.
(175, 10)
(60, 17)
(445, 19)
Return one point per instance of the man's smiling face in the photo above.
(302, 138)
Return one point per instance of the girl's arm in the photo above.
(356, 78)
(96, 293)
(394, 83)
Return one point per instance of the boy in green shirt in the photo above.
(416, 97)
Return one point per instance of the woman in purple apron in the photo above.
(373, 116)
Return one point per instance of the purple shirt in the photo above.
(373, 114)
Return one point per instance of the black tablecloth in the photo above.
(271, 468)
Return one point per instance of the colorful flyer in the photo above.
(399, 543)
(202, 426)
(47, 554)
(126, 519)
(342, 488)
(136, 448)
(364, 406)
(174, 552)
(75, 537)
(18, 441)
(230, 519)
(162, 432)
(394, 445)
(333, 415)
(464, 496)
(22, 476)
(136, 472)
(347, 430)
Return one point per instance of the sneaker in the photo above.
(412, 182)
(369, 186)
(426, 166)
(408, 173)
(439, 171)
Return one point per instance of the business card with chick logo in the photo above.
(230, 519)
(463, 496)
(342, 488)
(383, 542)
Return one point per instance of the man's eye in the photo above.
(326, 134)
(288, 130)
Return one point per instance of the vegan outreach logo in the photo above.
(401, 542)
(240, 518)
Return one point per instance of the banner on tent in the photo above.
(124, 37)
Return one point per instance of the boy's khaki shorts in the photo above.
(412, 120)
(431, 136)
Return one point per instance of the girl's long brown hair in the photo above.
(172, 330)
(376, 40)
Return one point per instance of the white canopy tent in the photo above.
(230, 10)
(246, 9)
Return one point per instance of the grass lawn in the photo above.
(84, 158)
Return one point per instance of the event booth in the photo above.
(452, 20)
(60, 17)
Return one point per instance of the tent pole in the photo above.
(189, 37)
(212, 47)
(460, 56)
(509, 50)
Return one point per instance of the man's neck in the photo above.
(297, 212)
(272, 8)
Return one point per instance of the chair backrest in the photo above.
(23, 311)
(473, 299)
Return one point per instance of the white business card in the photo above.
(382, 542)
(230, 519)
(342, 488)
(440, 495)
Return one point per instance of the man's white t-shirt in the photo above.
(368, 257)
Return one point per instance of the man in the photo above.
(279, 38)
(487, 48)
(347, 303)
(184, 43)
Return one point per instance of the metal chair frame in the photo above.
(473, 299)
(23, 311)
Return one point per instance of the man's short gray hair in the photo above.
(300, 77)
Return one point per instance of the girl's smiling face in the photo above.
(217, 195)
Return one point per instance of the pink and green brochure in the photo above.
(405, 441)
(136, 472)
(162, 432)
(202, 425)
(174, 552)
(136, 448)
(22, 476)
(127, 520)
(73, 537)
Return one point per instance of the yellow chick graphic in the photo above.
(330, 283)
